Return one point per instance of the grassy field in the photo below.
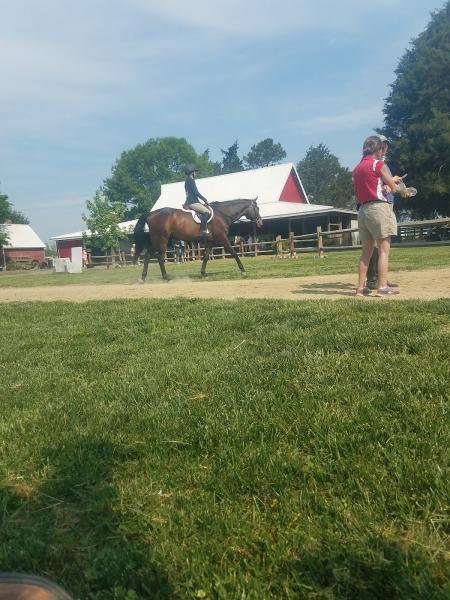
(253, 450)
(307, 264)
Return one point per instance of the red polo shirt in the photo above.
(367, 180)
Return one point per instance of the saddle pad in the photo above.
(195, 215)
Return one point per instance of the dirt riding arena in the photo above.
(418, 285)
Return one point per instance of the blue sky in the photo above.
(83, 81)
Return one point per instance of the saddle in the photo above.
(185, 208)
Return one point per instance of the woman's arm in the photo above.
(390, 180)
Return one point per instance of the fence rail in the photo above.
(319, 241)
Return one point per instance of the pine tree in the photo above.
(417, 119)
(231, 163)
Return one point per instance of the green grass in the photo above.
(255, 449)
(307, 264)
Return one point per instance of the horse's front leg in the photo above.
(205, 261)
(229, 248)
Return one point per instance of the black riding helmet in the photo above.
(189, 169)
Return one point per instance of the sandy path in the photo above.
(422, 285)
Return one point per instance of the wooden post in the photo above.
(256, 248)
(279, 245)
(291, 245)
(241, 246)
(223, 252)
(320, 242)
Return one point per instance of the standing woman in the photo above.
(193, 198)
(375, 221)
(372, 272)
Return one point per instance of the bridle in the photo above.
(256, 217)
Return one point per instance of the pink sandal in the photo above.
(385, 292)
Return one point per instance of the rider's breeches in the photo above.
(199, 208)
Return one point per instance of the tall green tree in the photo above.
(4, 238)
(231, 163)
(137, 175)
(7, 212)
(325, 180)
(264, 154)
(417, 119)
(103, 222)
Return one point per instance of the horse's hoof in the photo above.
(167, 278)
(141, 281)
(204, 274)
(243, 273)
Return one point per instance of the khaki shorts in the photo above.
(376, 221)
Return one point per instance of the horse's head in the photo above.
(252, 213)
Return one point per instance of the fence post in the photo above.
(279, 245)
(223, 251)
(291, 245)
(241, 246)
(320, 241)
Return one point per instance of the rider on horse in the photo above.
(193, 198)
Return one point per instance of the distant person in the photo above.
(193, 198)
(249, 242)
(375, 217)
(84, 257)
(180, 250)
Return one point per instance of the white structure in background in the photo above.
(76, 260)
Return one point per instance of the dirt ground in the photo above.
(421, 285)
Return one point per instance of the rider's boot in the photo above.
(204, 224)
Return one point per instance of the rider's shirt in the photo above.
(192, 193)
(368, 181)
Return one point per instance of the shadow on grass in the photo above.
(70, 530)
(328, 289)
(378, 570)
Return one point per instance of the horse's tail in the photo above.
(141, 237)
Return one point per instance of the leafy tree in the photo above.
(4, 213)
(417, 118)
(50, 249)
(4, 238)
(138, 174)
(231, 163)
(264, 154)
(8, 213)
(103, 222)
(325, 180)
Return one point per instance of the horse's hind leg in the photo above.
(161, 254)
(162, 266)
(145, 269)
(205, 261)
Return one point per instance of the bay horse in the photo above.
(171, 222)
